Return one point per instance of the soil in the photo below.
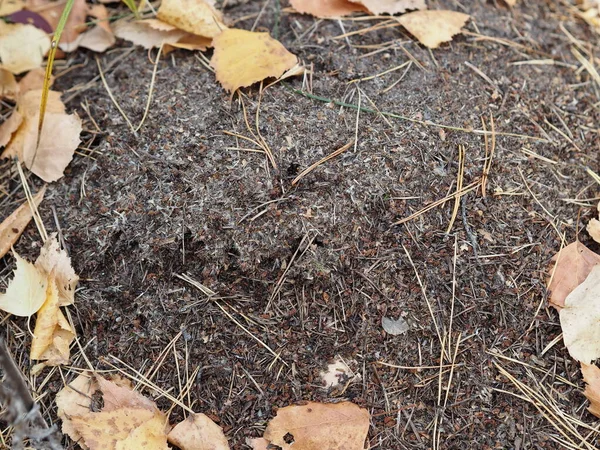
(310, 270)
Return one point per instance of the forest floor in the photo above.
(198, 259)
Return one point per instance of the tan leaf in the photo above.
(573, 264)
(9, 88)
(26, 292)
(579, 319)
(242, 58)
(258, 443)
(190, 42)
(317, 426)
(116, 397)
(511, 2)
(55, 261)
(10, 6)
(53, 335)
(391, 6)
(144, 33)
(102, 430)
(8, 129)
(22, 47)
(34, 81)
(198, 432)
(75, 399)
(13, 226)
(194, 16)
(326, 9)
(432, 28)
(591, 375)
(593, 228)
(150, 435)
(51, 11)
(100, 37)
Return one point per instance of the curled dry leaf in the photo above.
(13, 226)
(198, 432)
(58, 142)
(317, 426)
(573, 264)
(391, 6)
(591, 375)
(22, 47)
(26, 292)
(194, 16)
(51, 11)
(126, 420)
(432, 28)
(579, 319)
(243, 58)
(327, 9)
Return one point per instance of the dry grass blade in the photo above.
(459, 185)
(489, 154)
(312, 167)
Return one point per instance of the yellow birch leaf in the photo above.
(432, 28)
(194, 16)
(22, 47)
(53, 260)
(150, 435)
(13, 226)
(242, 58)
(73, 400)
(26, 292)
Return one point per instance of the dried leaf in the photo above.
(327, 9)
(22, 47)
(8, 129)
(591, 375)
(33, 81)
(242, 58)
(117, 397)
(318, 426)
(146, 33)
(394, 327)
(9, 88)
(432, 28)
(13, 226)
(593, 228)
(198, 432)
(55, 261)
(75, 399)
(194, 16)
(391, 6)
(10, 6)
(51, 11)
(26, 292)
(573, 264)
(53, 334)
(190, 42)
(579, 319)
(337, 372)
(258, 443)
(100, 37)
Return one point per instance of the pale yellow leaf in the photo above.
(53, 260)
(26, 292)
(198, 432)
(591, 375)
(511, 2)
(13, 226)
(242, 58)
(326, 9)
(53, 335)
(10, 6)
(573, 264)
(579, 319)
(432, 28)
(75, 399)
(22, 47)
(9, 88)
(318, 426)
(150, 435)
(391, 6)
(194, 16)
(146, 34)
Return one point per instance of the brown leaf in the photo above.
(116, 397)
(100, 37)
(13, 226)
(198, 432)
(573, 265)
(8, 129)
(318, 426)
(194, 16)
(591, 375)
(242, 58)
(327, 9)
(579, 319)
(147, 33)
(22, 47)
(9, 88)
(391, 6)
(51, 11)
(75, 399)
(33, 81)
(432, 28)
